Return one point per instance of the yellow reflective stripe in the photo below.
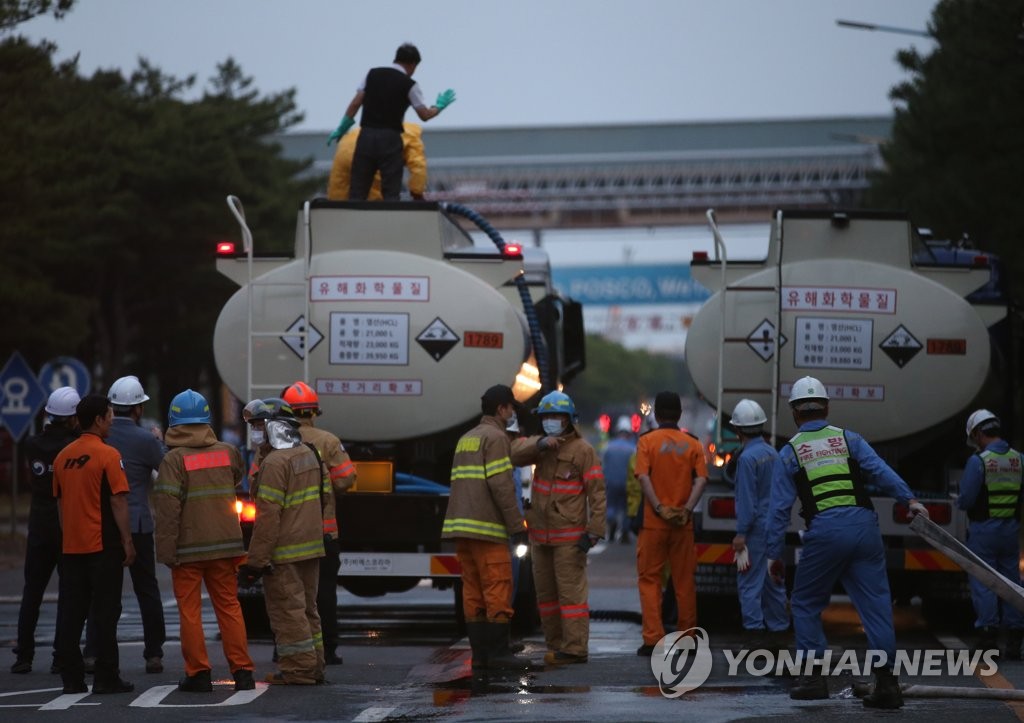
(301, 549)
(841, 501)
(497, 466)
(833, 486)
(302, 646)
(167, 488)
(270, 494)
(477, 527)
(468, 471)
(298, 497)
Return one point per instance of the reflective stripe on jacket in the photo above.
(289, 515)
(829, 477)
(999, 496)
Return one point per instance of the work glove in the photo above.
(777, 571)
(742, 560)
(249, 576)
(584, 544)
(675, 516)
(445, 99)
(341, 130)
(916, 508)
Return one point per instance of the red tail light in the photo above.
(226, 248)
(246, 511)
(722, 507)
(513, 250)
(941, 513)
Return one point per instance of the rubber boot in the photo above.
(1014, 638)
(809, 687)
(499, 657)
(887, 693)
(478, 644)
(201, 682)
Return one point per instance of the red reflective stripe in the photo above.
(593, 473)
(253, 469)
(547, 609)
(575, 611)
(545, 487)
(541, 486)
(330, 525)
(342, 470)
(207, 460)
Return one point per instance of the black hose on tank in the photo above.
(536, 337)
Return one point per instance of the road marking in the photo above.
(153, 698)
(374, 714)
(995, 681)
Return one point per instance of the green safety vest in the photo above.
(999, 497)
(828, 477)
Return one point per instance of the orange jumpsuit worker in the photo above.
(672, 470)
(199, 538)
(342, 475)
(412, 152)
(566, 518)
(286, 547)
(482, 515)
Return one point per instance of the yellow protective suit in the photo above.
(415, 162)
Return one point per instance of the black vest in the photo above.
(386, 98)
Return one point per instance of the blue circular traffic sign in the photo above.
(65, 371)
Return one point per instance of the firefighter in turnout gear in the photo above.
(287, 544)
(566, 519)
(482, 515)
(828, 469)
(199, 538)
(342, 475)
(990, 493)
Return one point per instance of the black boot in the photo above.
(988, 639)
(477, 634)
(809, 687)
(887, 693)
(243, 680)
(499, 657)
(198, 683)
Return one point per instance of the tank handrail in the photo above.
(238, 211)
(536, 336)
(723, 257)
(778, 324)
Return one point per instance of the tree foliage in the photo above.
(113, 197)
(956, 157)
(15, 12)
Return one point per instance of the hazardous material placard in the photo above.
(369, 338)
(829, 343)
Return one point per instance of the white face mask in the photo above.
(257, 437)
(552, 427)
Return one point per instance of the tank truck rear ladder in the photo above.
(302, 333)
(773, 295)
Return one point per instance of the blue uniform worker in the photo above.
(990, 493)
(828, 468)
(762, 599)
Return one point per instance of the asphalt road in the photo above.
(404, 660)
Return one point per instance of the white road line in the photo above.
(374, 714)
(951, 642)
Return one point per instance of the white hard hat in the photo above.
(623, 424)
(805, 391)
(62, 402)
(748, 413)
(978, 418)
(127, 392)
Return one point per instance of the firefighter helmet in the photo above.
(300, 396)
(808, 393)
(127, 392)
(981, 418)
(748, 414)
(557, 403)
(62, 402)
(279, 409)
(188, 407)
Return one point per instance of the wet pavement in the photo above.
(404, 660)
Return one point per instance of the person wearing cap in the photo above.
(142, 454)
(43, 545)
(287, 543)
(672, 471)
(828, 468)
(92, 491)
(615, 462)
(305, 402)
(762, 599)
(566, 518)
(482, 516)
(384, 95)
(199, 538)
(990, 493)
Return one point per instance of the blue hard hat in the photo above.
(557, 403)
(188, 407)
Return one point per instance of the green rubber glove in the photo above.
(341, 130)
(445, 99)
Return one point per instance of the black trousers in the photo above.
(42, 557)
(90, 588)
(147, 592)
(327, 594)
(377, 149)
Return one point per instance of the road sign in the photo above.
(65, 371)
(622, 285)
(22, 395)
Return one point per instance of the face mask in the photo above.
(257, 437)
(552, 426)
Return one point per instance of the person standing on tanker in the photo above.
(92, 491)
(672, 471)
(828, 468)
(990, 492)
(384, 96)
(413, 155)
(142, 454)
(566, 518)
(762, 599)
(43, 546)
(341, 473)
(482, 516)
(287, 544)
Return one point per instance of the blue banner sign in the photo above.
(622, 285)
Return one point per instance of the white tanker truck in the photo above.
(399, 321)
(909, 336)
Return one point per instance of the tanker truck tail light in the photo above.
(246, 511)
(722, 507)
(941, 513)
(225, 248)
(512, 250)
(374, 477)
